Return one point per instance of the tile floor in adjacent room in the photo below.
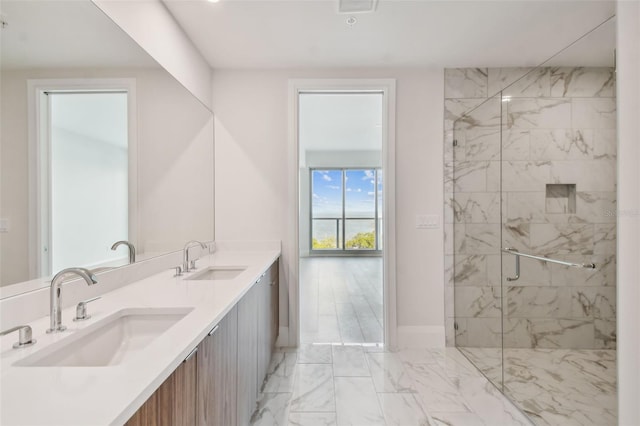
(341, 300)
(362, 385)
(555, 387)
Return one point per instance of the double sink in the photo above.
(121, 335)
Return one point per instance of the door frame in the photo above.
(39, 158)
(388, 88)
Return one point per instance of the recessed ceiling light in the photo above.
(213, 1)
(351, 20)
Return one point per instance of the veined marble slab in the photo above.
(562, 144)
(477, 207)
(478, 302)
(557, 387)
(593, 113)
(465, 83)
(544, 113)
(520, 82)
(548, 333)
(403, 409)
(357, 402)
(587, 82)
(470, 270)
(313, 388)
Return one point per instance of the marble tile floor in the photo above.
(341, 300)
(555, 386)
(365, 385)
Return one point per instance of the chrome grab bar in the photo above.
(544, 259)
(514, 251)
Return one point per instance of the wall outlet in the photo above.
(4, 225)
(427, 221)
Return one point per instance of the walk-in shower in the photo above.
(531, 181)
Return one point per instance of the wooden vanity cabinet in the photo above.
(217, 378)
(257, 333)
(267, 320)
(219, 383)
(248, 354)
(174, 403)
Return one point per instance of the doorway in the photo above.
(83, 166)
(344, 255)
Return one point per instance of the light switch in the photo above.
(427, 221)
(4, 225)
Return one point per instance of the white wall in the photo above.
(251, 131)
(628, 81)
(14, 173)
(151, 25)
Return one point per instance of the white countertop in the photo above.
(110, 395)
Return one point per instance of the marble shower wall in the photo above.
(555, 126)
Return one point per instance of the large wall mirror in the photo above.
(99, 144)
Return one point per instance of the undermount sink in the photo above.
(218, 273)
(109, 342)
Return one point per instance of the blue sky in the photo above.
(327, 193)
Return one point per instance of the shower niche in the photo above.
(560, 198)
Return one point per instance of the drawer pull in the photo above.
(191, 354)
(214, 329)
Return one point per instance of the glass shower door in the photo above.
(558, 180)
(477, 237)
(533, 191)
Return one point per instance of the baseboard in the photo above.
(283, 337)
(411, 336)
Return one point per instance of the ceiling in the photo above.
(407, 33)
(65, 34)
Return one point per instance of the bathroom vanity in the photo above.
(218, 382)
(191, 349)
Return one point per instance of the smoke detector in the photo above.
(357, 6)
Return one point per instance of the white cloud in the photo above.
(359, 189)
(368, 174)
(349, 189)
(327, 178)
(371, 193)
(333, 187)
(316, 195)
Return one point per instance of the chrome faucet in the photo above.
(56, 295)
(24, 333)
(132, 249)
(187, 264)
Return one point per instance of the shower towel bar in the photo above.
(546, 259)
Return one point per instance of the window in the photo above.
(346, 206)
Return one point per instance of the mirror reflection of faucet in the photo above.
(187, 263)
(132, 249)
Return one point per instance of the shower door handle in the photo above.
(515, 252)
